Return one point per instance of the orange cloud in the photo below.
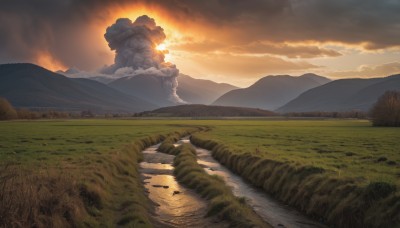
(237, 69)
(280, 49)
(47, 61)
(365, 71)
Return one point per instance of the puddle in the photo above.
(271, 210)
(182, 141)
(177, 206)
(147, 165)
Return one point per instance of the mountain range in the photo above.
(148, 87)
(343, 95)
(190, 90)
(200, 91)
(271, 92)
(33, 87)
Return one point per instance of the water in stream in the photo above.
(177, 206)
(271, 210)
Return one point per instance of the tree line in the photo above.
(8, 112)
(385, 112)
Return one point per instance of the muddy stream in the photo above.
(176, 205)
(181, 207)
(271, 210)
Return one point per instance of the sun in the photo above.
(161, 47)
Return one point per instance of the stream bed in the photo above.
(272, 211)
(176, 205)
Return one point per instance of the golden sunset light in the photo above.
(193, 36)
(200, 113)
(161, 47)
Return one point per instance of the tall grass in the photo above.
(341, 202)
(39, 199)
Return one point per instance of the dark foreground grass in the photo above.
(295, 161)
(38, 199)
(76, 173)
(222, 203)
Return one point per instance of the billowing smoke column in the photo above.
(135, 46)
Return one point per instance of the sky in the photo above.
(233, 41)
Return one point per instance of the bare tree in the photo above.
(386, 111)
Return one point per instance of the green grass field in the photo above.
(46, 142)
(97, 160)
(344, 172)
(350, 148)
(79, 170)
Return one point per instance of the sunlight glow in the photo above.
(168, 58)
(46, 60)
(161, 47)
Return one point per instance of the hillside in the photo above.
(343, 95)
(200, 91)
(30, 86)
(271, 92)
(146, 87)
(207, 111)
(151, 88)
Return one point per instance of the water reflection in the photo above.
(147, 165)
(272, 211)
(177, 206)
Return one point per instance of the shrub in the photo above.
(379, 190)
(386, 111)
(7, 111)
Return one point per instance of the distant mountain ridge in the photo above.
(30, 86)
(343, 95)
(196, 110)
(271, 92)
(147, 87)
(191, 90)
(200, 91)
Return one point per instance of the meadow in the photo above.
(338, 171)
(349, 148)
(342, 172)
(75, 172)
(51, 142)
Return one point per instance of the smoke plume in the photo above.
(135, 52)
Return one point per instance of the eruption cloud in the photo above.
(135, 52)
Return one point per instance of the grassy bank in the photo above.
(223, 203)
(75, 173)
(342, 172)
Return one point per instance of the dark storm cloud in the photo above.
(58, 27)
(62, 27)
(350, 21)
(376, 22)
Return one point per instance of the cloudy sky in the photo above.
(232, 41)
